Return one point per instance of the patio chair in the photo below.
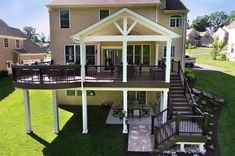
(145, 111)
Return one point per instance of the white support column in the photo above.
(182, 148)
(83, 60)
(84, 112)
(168, 61)
(125, 130)
(98, 54)
(56, 112)
(27, 111)
(156, 54)
(124, 61)
(201, 148)
(164, 106)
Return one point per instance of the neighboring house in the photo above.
(16, 48)
(222, 34)
(197, 38)
(231, 42)
(110, 52)
(193, 36)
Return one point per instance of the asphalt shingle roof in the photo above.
(6, 30)
(175, 5)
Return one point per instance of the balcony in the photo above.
(69, 76)
(46, 76)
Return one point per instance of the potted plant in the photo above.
(121, 114)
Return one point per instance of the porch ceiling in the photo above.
(125, 24)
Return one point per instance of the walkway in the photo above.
(140, 138)
(205, 67)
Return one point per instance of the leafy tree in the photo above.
(201, 23)
(218, 19)
(231, 18)
(43, 38)
(29, 31)
(218, 46)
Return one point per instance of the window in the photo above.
(175, 21)
(172, 51)
(90, 54)
(69, 54)
(72, 54)
(146, 54)
(103, 14)
(130, 50)
(90, 93)
(232, 47)
(6, 43)
(17, 43)
(137, 54)
(64, 19)
(74, 93)
(136, 95)
(77, 49)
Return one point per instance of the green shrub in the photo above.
(189, 74)
(221, 57)
(3, 73)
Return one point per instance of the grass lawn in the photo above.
(102, 140)
(199, 50)
(223, 85)
(206, 59)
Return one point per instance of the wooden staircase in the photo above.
(185, 122)
(177, 97)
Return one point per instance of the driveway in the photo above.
(196, 54)
(204, 67)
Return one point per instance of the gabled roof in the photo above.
(30, 47)
(192, 30)
(5, 30)
(147, 22)
(175, 5)
(102, 2)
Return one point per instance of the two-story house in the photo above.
(119, 53)
(16, 48)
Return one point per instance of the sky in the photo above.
(20, 13)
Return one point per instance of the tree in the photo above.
(29, 31)
(218, 46)
(32, 34)
(231, 18)
(218, 19)
(201, 23)
(43, 38)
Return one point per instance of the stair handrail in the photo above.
(157, 119)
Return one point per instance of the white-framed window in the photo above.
(104, 13)
(232, 47)
(6, 42)
(17, 44)
(73, 92)
(64, 19)
(79, 93)
(175, 21)
(138, 54)
(172, 51)
(72, 54)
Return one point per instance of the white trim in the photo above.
(131, 27)
(131, 38)
(84, 112)
(12, 37)
(118, 27)
(69, 18)
(142, 52)
(125, 109)
(26, 54)
(137, 17)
